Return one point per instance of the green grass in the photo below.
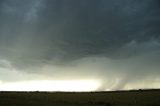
(117, 98)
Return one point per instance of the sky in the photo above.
(79, 45)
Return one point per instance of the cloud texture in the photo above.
(117, 42)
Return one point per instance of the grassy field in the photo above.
(116, 98)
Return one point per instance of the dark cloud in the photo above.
(60, 35)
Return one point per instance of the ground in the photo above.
(114, 98)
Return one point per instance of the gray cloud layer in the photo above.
(116, 41)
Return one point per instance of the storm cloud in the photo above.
(117, 42)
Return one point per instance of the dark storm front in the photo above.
(116, 42)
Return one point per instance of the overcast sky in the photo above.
(115, 41)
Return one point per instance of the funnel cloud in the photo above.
(116, 42)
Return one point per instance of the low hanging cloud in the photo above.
(135, 70)
(116, 42)
(139, 65)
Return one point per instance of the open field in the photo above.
(115, 98)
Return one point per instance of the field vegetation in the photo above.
(114, 98)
